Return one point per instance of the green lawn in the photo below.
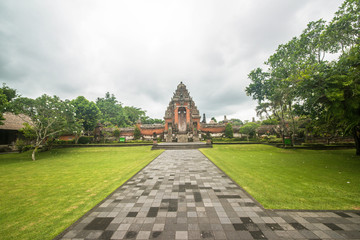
(293, 179)
(39, 199)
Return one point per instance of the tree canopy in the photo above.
(7, 94)
(50, 117)
(87, 112)
(301, 82)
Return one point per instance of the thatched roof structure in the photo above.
(14, 122)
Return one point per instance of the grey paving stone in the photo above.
(182, 195)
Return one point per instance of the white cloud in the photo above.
(141, 50)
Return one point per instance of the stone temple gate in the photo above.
(182, 122)
(182, 118)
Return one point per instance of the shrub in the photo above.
(22, 146)
(116, 133)
(137, 133)
(229, 132)
(64, 142)
(85, 139)
(313, 144)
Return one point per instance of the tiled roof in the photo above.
(14, 122)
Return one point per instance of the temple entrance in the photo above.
(182, 119)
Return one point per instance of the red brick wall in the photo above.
(149, 132)
(213, 129)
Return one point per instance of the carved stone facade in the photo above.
(182, 118)
(182, 122)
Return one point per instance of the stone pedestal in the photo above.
(182, 138)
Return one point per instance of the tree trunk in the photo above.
(34, 152)
(357, 139)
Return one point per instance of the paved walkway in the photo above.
(182, 195)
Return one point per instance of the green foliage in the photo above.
(229, 132)
(85, 139)
(213, 119)
(22, 145)
(64, 142)
(148, 120)
(228, 140)
(6, 96)
(116, 133)
(87, 112)
(270, 122)
(313, 144)
(28, 131)
(249, 129)
(132, 115)
(111, 109)
(113, 112)
(300, 83)
(50, 117)
(137, 133)
(236, 122)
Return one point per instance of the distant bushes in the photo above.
(64, 142)
(229, 139)
(22, 146)
(85, 139)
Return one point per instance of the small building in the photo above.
(9, 131)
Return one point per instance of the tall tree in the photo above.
(7, 94)
(132, 115)
(301, 83)
(111, 109)
(87, 112)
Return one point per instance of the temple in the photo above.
(182, 122)
(182, 118)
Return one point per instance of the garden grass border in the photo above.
(286, 209)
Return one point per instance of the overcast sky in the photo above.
(141, 50)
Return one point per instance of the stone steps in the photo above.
(181, 146)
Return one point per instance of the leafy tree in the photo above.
(229, 132)
(6, 96)
(87, 112)
(111, 109)
(132, 115)
(137, 133)
(50, 117)
(236, 122)
(249, 129)
(148, 120)
(213, 119)
(333, 96)
(300, 83)
(116, 133)
(269, 122)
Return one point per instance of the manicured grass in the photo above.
(39, 199)
(293, 179)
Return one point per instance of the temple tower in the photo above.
(182, 118)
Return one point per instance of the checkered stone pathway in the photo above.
(182, 195)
